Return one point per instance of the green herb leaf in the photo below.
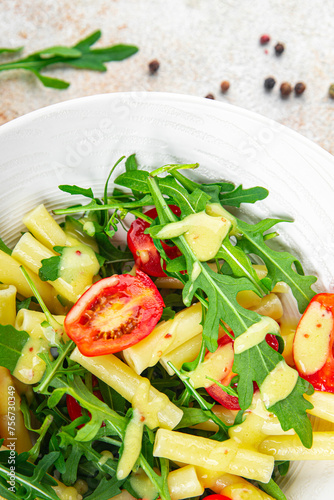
(167, 314)
(8, 50)
(279, 264)
(50, 268)
(239, 195)
(12, 342)
(272, 489)
(87, 192)
(131, 163)
(80, 56)
(192, 416)
(5, 248)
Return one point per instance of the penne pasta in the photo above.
(183, 354)
(290, 447)
(323, 405)
(184, 483)
(152, 404)
(11, 274)
(223, 456)
(165, 337)
(7, 304)
(234, 487)
(45, 229)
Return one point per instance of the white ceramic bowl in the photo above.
(76, 142)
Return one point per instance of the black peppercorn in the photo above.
(300, 88)
(279, 48)
(224, 86)
(209, 96)
(285, 89)
(331, 91)
(153, 66)
(269, 83)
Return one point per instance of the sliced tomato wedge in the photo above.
(141, 245)
(217, 393)
(114, 313)
(313, 345)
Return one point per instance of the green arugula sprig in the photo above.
(80, 56)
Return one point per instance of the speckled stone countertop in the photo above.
(198, 44)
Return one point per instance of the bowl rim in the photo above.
(170, 97)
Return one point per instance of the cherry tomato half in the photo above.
(141, 245)
(313, 345)
(217, 393)
(114, 313)
(217, 497)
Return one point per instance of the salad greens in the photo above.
(73, 450)
(80, 56)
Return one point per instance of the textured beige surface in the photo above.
(199, 43)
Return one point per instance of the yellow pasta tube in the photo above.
(224, 456)
(45, 229)
(215, 365)
(323, 403)
(30, 253)
(7, 304)
(184, 483)
(11, 274)
(291, 448)
(152, 404)
(164, 338)
(11, 419)
(233, 487)
(182, 354)
(270, 305)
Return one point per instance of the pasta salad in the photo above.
(168, 368)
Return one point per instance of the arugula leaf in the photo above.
(167, 314)
(76, 449)
(49, 271)
(24, 304)
(8, 50)
(36, 485)
(279, 264)
(131, 163)
(240, 264)
(239, 195)
(12, 342)
(5, 248)
(272, 489)
(79, 56)
(213, 189)
(107, 488)
(74, 190)
(192, 416)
